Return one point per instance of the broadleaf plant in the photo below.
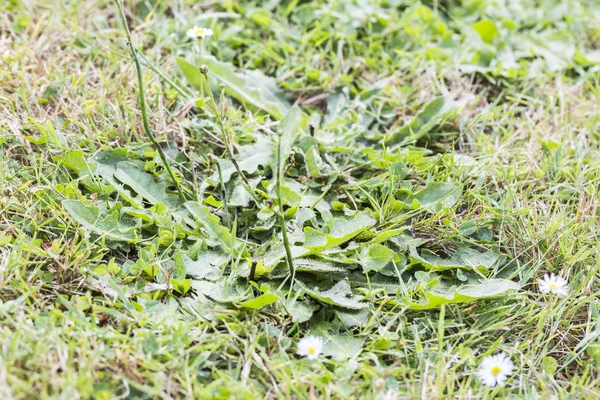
(350, 201)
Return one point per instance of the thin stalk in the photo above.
(201, 74)
(286, 242)
(200, 51)
(142, 98)
(228, 142)
(224, 195)
(181, 90)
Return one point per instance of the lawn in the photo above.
(342, 199)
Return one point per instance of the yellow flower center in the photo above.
(553, 286)
(496, 370)
(311, 350)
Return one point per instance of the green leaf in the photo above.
(276, 254)
(375, 257)
(317, 266)
(300, 311)
(467, 228)
(290, 127)
(249, 87)
(220, 292)
(255, 155)
(431, 115)
(464, 257)
(439, 194)
(107, 160)
(341, 348)
(261, 301)
(76, 160)
(377, 281)
(341, 231)
(106, 165)
(144, 184)
(487, 289)
(587, 57)
(102, 223)
(250, 158)
(434, 263)
(549, 364)
(339, 295)
(314, 163)
(486, 29)
(191, 73)
(207, 266)
(238, 196)
(384, 235)
(211, 224)
(181, 286)
(352, 318)
(474, 258)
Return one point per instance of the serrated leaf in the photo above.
(341, 231)
(434, 263)
(317, 266)
(474, 258)
(102, 223)
(487, 289)
(249, 87)
(375, 257)
(220, 292)
(207, 266)
(351, 319)
(250, 158)
(106, 161)
(211, 224)
(341, 348)
(239, 196)
(464, 257)
(339, 295)
(300, 311)
(255, 155)
(145, 185)
(390, 285)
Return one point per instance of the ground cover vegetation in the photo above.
(302, 199)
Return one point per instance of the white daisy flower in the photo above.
(198, 32)
(555, 284)
(495, 369)
(310, 347)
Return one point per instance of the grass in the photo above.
(512, 130)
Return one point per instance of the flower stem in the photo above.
(227, 139)
(201, 74)
(286, 242)
(200, 51)
(224, 195)
(142, 99)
